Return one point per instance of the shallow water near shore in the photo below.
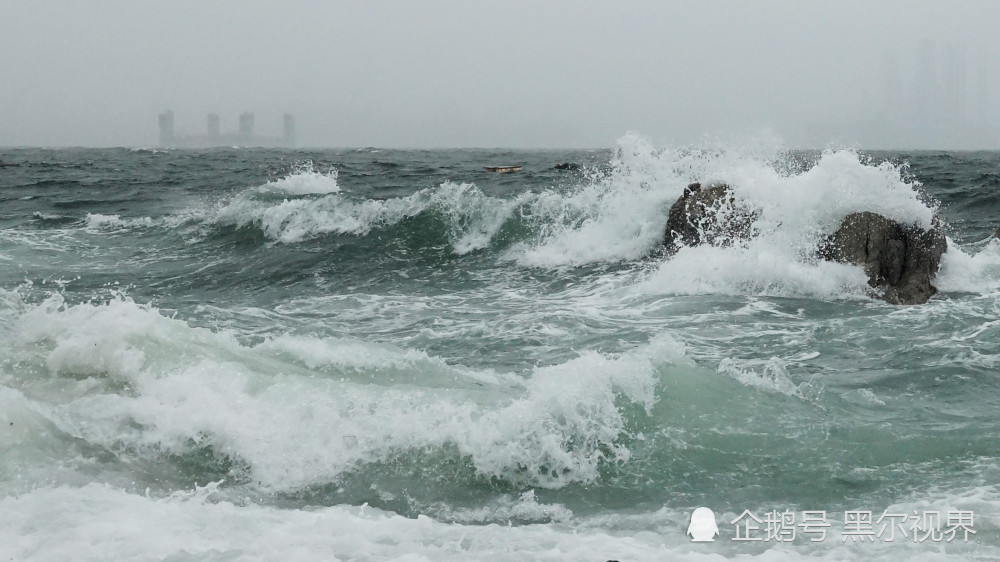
(379, 354)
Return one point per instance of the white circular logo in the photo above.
(702, 527)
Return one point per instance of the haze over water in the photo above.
(387, 353)
(889, 74)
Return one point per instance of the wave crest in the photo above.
(299, 412)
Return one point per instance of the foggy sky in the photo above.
(504, 74)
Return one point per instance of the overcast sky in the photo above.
(504, 74)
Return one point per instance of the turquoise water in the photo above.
(372, 354)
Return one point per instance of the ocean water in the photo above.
(243, 354)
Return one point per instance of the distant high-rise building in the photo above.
(289, 130)
(167, 128)
(214, 130)
(243, 137)
(246, 124)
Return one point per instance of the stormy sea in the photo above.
(366, 354)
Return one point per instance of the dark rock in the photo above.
(997, 233)
(900, 260)
(708, 215)
(567, 166)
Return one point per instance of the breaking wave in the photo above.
(472, 217)
(970, 270)
(616, 214)
(298, 411)
(96, 221)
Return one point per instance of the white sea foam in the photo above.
(304, 180)
(757, 269)
(96, 221)
(769, 375)
(871, 397)
(472, 217)
(616, 216)
(296, 206)
(48, 524)
(522, 508)
(299, 411)
(294, 220)
(795, 211)
(45, 216)
(374, 362)
(620, 215)
(973, 272)
(99, 522)
(294, 426)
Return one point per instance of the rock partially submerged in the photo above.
(900, 260)
(708, 215)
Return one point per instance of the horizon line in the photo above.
(412, 148)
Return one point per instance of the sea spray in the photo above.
(177, 387)
(393, 354)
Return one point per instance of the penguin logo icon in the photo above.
(702, 527)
